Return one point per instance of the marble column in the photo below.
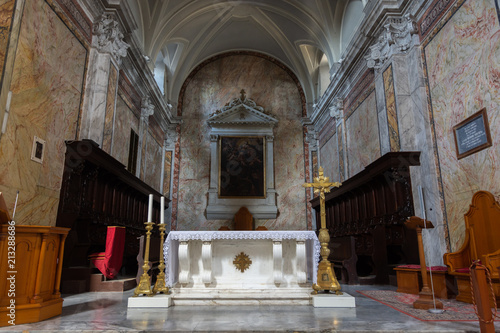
(108, 48)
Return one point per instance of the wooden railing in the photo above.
(372, 206)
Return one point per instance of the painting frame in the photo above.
(242, 167)
(466, 128)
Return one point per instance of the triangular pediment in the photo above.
(241, 111)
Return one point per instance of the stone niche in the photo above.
(239, 122)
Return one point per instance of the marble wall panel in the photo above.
(340, 145)
(153, 162)
(392, 115)
(6, 14)
(125, 120)
(213, 86)
(330, 159)
(167, 173)
(463, 68)
(110, 109)
(47, 85)
(363, 145)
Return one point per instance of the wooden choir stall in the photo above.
(482, 242)
(365, 218)
(98, 191)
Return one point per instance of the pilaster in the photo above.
(108, 48)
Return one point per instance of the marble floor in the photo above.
(97, 312)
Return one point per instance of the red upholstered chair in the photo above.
(110, 261)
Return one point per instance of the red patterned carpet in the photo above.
(454, 310)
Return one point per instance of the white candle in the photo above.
(162, 210)
(150, 208)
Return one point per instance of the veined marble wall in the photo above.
(153, 157)
(329, 153)
(125, 120)
(212, 87)
(6, 12)
(362, 136)
(463, 69)
(47, 85)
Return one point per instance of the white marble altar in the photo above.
(200, 268)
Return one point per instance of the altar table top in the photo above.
(170, 250)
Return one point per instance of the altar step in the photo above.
(97, 283)
(241, 297)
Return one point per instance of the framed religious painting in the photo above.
(242, 172)
(472, 134)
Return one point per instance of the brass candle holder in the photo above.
(326, 277)
(144, 286)
(160, 286)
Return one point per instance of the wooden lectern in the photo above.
(425, 300)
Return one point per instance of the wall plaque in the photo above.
(472, 134)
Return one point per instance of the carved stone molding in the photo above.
(336, 109)
(147, 108)
(171, 136)
(108, 38)
(396, 38)
(312, 137)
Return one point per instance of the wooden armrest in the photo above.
(492, 261)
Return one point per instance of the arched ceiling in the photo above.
(186, 32)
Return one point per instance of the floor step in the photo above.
(97, 283)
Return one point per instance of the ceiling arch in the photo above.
(277, 28)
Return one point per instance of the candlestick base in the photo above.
(160, 286)
(326, 279)
(144, 286)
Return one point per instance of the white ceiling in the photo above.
(296, 32)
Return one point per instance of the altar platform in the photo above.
(241, 267)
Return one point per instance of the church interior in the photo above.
(217, 150)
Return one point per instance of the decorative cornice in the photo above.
(433, 15)
(76, 13)
(108, 38)
(396, 38)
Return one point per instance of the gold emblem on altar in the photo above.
(242, 262)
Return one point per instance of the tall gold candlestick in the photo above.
(160, 286)
(144, 286)
(326, 277)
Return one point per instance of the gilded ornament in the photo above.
(242, 262)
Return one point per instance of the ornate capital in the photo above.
(396, 38)
(108, 38)
(147, 109)
(270, 138)
(213, 137)
(312, 137)
(336, 109)
(171, 136)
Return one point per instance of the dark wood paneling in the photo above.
(372, 207)
(98, 191)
